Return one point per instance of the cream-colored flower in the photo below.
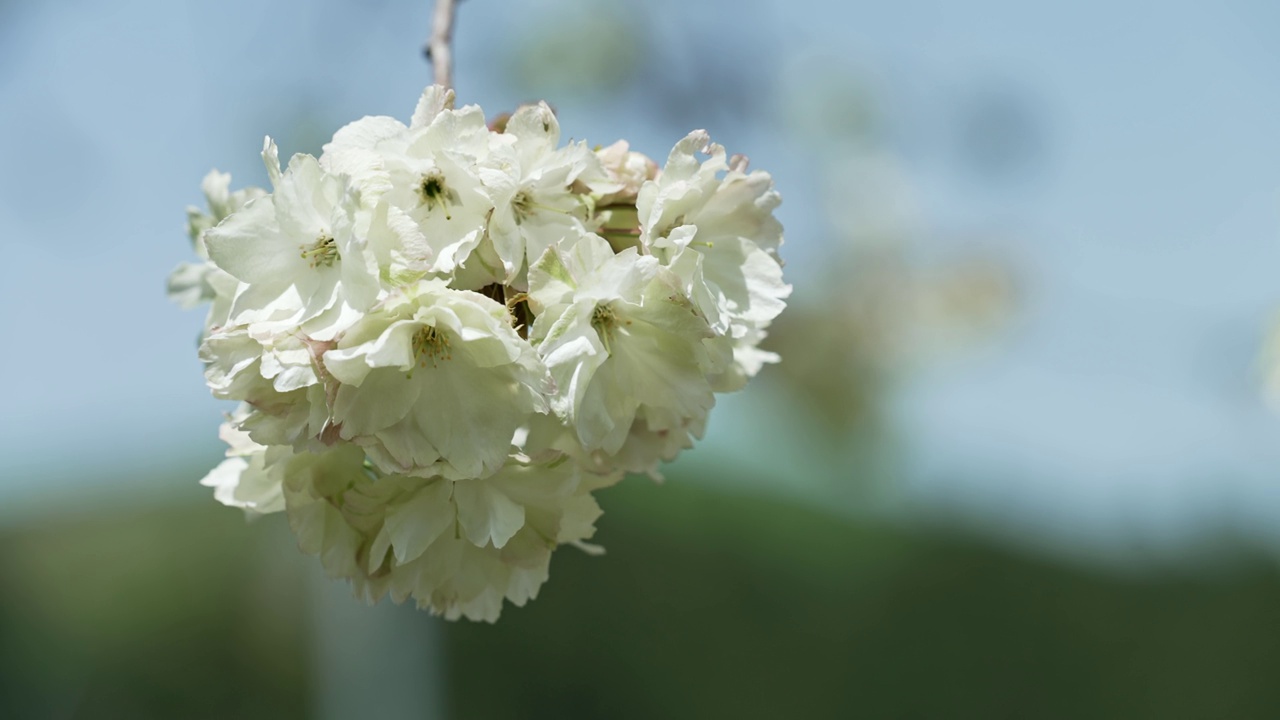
(622, 341)
(438, 359)
(712, 223)
(435, 382)
(457, 548)
(250, 478)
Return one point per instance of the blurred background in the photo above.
(1018, 460)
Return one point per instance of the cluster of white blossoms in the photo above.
(444, 336)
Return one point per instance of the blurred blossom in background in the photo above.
(1018, 459)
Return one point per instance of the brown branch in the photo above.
(439, 48)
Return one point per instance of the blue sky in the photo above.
(1144, 222)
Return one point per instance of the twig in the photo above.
(439, 48)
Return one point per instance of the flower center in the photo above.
(522, 206)
(604, 319)
(434, 193)
(430, 345)
(324, 251)
(666, 231)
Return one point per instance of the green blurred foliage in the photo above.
(705, 606)
(714, 606)
(157, 613)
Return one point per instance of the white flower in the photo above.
(276, 377)
(315, 484)
(719, 235)
(300, 253)
(435, 382)
(748, 359)
(426, 172)
(457, 548)
(222, 202)
(437, 359)
(646, 447)
(641, 451)
(625, 173)
(622, 342)
(534, 186)
(193, 283)
(494, 543)
(250, 478)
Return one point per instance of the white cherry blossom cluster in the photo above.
(444, 336)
